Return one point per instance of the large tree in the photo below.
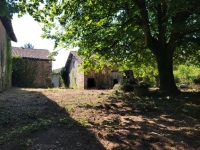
(123, 31)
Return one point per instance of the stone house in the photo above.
(6, 35)
(104, 79)
(42, 65)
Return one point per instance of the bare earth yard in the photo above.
(66, 119)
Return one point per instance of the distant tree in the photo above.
(28, 45)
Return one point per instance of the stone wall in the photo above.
(3, 49)
(76, 78)
(44, 74)
(105, 79)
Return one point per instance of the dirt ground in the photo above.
(67, 119)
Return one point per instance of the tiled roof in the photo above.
(41, 54)
(8, 26)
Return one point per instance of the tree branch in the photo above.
(144, 15)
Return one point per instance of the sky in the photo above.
(29, 31)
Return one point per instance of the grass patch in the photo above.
(115, 121)
(70, 109)
(83, 121)
(72, 123)
(69, 122)
(25, 130)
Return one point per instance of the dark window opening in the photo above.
(115, 81)
(90, 82)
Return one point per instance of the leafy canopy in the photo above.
(8, 8)
(112, 32)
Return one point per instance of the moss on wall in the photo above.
(31, 72)
(8, 67)
(23, 72)
(64, 77)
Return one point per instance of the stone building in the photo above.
(104, 79)
(43, 67)
(6, 34)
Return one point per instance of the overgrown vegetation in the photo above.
(25, 130)
(123, 33)
(197, 79)
(8, 71)
(24, 72)
(64, 75)
(8, 8)
(6, 64)
(185, 74)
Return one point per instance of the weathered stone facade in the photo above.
(104, 79)
(6, 35)
(75, 78)
(3, 49)
(44, 74)
(37, 62)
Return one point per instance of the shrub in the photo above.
(186, 74)
(64, 77)
(197, 80)
(23, 72)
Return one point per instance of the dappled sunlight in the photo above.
(166, 118)
(142, 122)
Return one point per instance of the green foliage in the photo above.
(186, 74)
(197, 79)
(25, 130)
(8, 8)
(28, 45)
(64, 76)
(8, 71)
(23, 72)
(6, 64)
(70, 123)
(123, 33)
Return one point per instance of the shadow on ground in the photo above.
(98, 120)
(29, 120)
(158, 122)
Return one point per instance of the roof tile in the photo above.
(41, 54)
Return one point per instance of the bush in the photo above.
(23, 72)
(64, 77)
(197, 80)
(186, 74)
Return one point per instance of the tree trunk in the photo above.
(165, 70)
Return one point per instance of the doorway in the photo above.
(90, 82)
(115, 81)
